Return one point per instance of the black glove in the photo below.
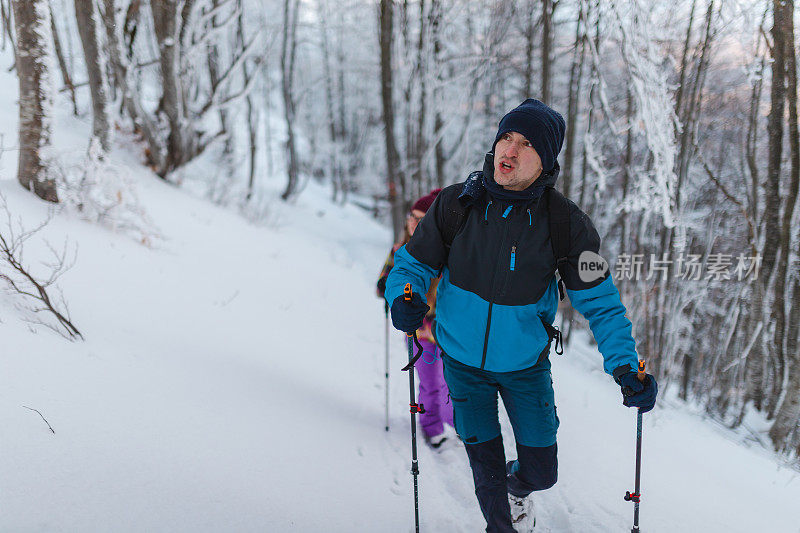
(408, 315)
(637, 393)
(381, 286)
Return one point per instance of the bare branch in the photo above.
(212, 105)
(208, 17)
(209, 28)
(234, 68)
(22, 282)
(43, 418)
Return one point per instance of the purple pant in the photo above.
(433, 392)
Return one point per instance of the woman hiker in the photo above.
(433, 393)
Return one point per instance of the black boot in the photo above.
(535, 469)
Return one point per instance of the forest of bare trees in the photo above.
(682, 141)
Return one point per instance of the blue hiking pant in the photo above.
(529, 401)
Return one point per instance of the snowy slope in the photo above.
(232, 380)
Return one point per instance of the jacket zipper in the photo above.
(494, 287)
(494, 274)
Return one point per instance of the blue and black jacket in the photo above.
(498, 290)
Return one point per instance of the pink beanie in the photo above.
(424, 203)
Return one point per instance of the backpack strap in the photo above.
(455, 212)
(559, 232)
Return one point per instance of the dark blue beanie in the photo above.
(541, 125)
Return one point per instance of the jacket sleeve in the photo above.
(421, 259)
(387, 267)
(598, 300)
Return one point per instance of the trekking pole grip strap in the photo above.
(416, 357)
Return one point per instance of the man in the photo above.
(496, 303)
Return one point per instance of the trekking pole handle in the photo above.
(412, 337)
(407, 293)
(640, 374)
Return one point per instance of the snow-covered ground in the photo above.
(232, 380)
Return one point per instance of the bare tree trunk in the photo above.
(691, 111)
(344, 165)
(585, 161)
(186, 16)
(408, 157)
(268, 121)
(329, 104)
(626, 171)
(530, 33)
(420, 176)
(131, 25)
(781, 281)
(124, 86)
(684, 59)
(775, 133)
(62, 64)
(213, 74)
(691, 89)
(180, 141)
(394, 176)
(573, 110)
(749, 322)
(548, 7)
(288, 48)
(252, 113)
(31, 20)
(785, 432)
(95, 69)
(7, 25)
(591, 117)
(214, 78)
(573, 105)
(252, 130)
(757, 379)
(438, 123)
(788, 399)
(751, 144)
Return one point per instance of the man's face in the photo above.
(516, 163)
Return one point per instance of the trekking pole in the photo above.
(411, 339)
(637, 496)
(386, 312)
